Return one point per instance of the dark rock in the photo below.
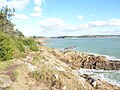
(83, 60)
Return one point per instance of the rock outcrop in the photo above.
(83, 60)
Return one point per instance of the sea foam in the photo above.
(107, 56)
(111, 76)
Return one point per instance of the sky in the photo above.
(65, 17)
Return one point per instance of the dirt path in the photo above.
(10, 72)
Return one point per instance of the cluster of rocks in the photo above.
(83, 60)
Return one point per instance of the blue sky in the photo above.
(66, 17)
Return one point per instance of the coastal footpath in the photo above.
(52, 69)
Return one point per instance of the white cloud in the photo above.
(57, 23)
(100, 23)
(39, 2)
(55, 27)
(21, 16)
(58, 27)
(84, 26)
(80, 17)
(114, 22)
(17, 4)
(2, 3)
(36, 14)
(54, 24)
(37, 9)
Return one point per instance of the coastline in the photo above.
(88, 36)
(41, 40)
(104, 71)
(112, 58)
(53, 69)
(72, 59)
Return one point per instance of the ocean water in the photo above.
(105, 46)
(109, 47)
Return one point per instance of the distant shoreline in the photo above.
(88, 36)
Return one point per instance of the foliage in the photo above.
(18, 42)
(19, 33)
(31, 43)
(6, 47)
(5, 17)
(12, 41)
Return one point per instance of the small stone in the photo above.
(94, 84)
(64, 88)
(56, 76)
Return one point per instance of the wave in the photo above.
(111, 76)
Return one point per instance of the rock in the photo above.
(56, 76)
(5, 81)
(64, 88)
(102, 58)
(31, 67)
(59, 68)
(91, 80)
(83, 60)
(57, 53)
(94, 83)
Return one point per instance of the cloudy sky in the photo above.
(66, 17)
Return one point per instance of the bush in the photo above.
(31, 43)
(9, 45)
(6, 47)
(18, 42)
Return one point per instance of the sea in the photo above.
(109, 47)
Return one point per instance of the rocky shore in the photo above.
(52, 69)
(78, 60)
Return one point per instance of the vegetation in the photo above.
(5, 17)
(6, 47)
(12, 41)
(31, 43)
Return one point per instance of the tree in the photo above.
(5, 19)
(19, 33)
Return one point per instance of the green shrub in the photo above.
(31, 43)
(9, 45)
(20, 46)
(18, 42)
(6, 47)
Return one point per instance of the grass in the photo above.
(45, 76)
(4, 65)
(36, 59)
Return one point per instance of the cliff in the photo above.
(49, 69)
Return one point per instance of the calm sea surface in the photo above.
(104, 46)
(109, 47)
